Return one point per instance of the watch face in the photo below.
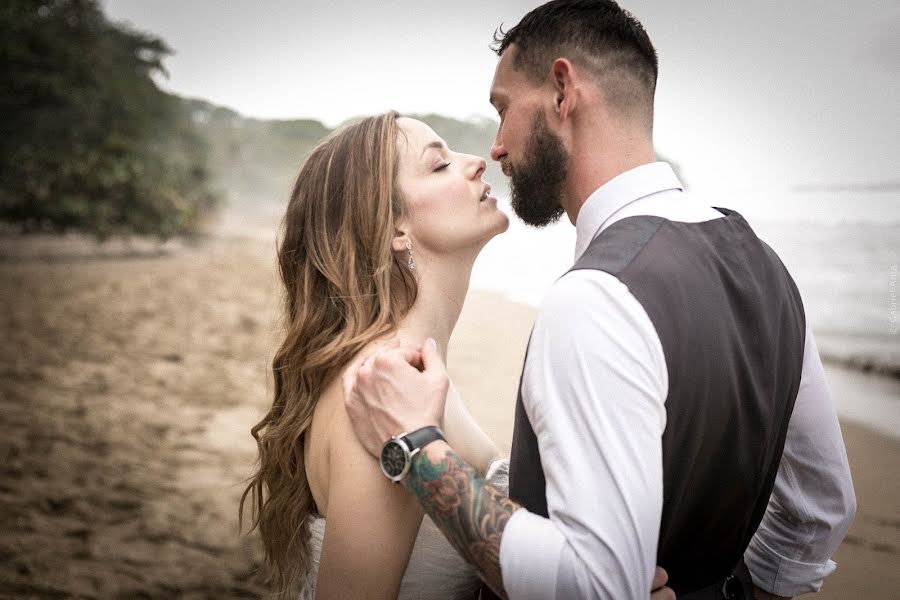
(393, 459)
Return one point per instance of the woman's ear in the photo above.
(398, 244)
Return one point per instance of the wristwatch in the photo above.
(397, 453)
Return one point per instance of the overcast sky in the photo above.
(752, 94)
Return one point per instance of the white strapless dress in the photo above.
(435, 570)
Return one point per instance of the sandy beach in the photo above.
(131, 375)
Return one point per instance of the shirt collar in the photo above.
(618, 192)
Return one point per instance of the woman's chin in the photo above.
(500, 227)
(504, 222)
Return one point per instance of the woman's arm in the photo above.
(464, 434)
(371, 525)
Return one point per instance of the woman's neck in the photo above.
(442, 292)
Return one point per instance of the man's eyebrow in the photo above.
(495, 98)
(434, 144)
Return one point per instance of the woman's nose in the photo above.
(478, 166)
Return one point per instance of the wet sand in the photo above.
(129, 379)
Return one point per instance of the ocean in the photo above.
(842, 248)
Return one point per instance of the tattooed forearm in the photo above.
(470, 512)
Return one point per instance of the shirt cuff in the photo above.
(529, 556)
(784, 576)
(498, 470)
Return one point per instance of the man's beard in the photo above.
(536, 184)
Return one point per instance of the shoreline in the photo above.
(869, 400)
(862, 359)
(862, 364)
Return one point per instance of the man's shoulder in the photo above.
(613, 249)
(576, 298)
(577, 284)
(589, 319)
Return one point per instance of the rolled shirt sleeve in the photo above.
(813, 501)
(594, 388)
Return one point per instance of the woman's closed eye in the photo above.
(443, 166)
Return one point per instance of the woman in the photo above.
(381, 232)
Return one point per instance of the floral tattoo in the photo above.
(469, 511)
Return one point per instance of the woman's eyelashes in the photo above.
(443, 166)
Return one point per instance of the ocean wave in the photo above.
(868, 354)
(866, 364)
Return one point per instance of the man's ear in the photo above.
(562, 74)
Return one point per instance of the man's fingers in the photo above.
(364, 373)
(660, 577)
(354, 366)
(373, 386)
(399, 357)
(349, 380)
(413, 357)
(431, 358)
(382, 347)
(659, 592)
(361, 368)
(663, 594)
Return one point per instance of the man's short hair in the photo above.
(594, 34)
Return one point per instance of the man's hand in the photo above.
(398, 389)
(658, 591)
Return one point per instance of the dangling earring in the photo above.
(411, 264)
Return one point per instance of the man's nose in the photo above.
(497, 149)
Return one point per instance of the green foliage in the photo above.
(254, 161)
(87, 140)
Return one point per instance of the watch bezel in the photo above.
(407, 457)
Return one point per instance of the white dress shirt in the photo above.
(594, 387)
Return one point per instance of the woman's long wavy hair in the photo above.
(344, 287)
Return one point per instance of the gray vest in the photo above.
(732, 329)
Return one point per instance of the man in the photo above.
(672, 406)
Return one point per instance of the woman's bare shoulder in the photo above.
(328, 423)
(330, 433)
(331, 401)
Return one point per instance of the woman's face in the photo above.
(449, 207)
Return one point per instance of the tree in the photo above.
(88, 141)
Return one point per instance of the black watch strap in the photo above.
(418, 439)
